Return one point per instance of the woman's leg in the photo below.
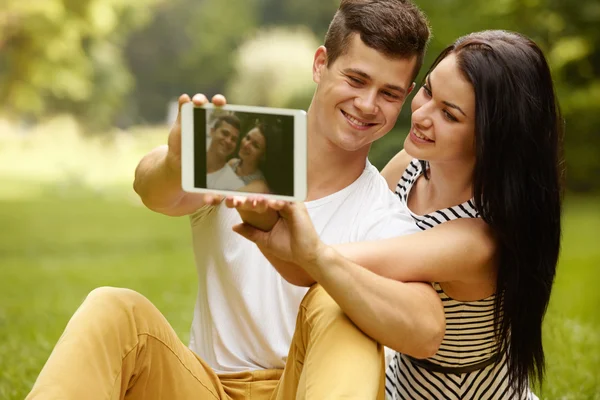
(118, 345)
(330, 358)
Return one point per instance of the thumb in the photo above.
(252, 234)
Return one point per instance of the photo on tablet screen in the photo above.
(243, 151)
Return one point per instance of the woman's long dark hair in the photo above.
(516, 183)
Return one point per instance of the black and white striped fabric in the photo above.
(468, 364)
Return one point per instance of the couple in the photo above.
(243, 172)
(442, 269)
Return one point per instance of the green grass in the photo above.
(572, 326)
(55, 249)
(59, 245)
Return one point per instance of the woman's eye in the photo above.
(450, 116)
(427, 91)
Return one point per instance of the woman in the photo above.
(482, 160)
(251, 156)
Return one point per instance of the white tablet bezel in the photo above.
(300, 153)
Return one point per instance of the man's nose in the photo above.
(367, 103)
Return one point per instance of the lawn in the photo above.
(58, 241)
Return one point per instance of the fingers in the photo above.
(242, 203)
(219, 100)
(199, 99)
(287, 209)
(254, 235)
(213, 199)
(238, 202)
(257, 204)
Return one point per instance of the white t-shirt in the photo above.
(224, 179)
(245, 312)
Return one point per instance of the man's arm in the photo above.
(158, 175)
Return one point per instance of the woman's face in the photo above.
(443, 117)
(253, 146)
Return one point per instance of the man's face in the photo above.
(360, 95)
(224, 139)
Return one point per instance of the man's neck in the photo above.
(213, 162)
(330, 169)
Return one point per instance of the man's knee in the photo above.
(118, 301)
(111, 295)
(320, 307)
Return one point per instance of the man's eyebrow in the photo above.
(451, 105)
(364, 75)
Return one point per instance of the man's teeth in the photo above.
(355, 121)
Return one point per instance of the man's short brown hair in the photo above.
(395, 28)
(228, 119)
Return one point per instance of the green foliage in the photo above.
(274, 69)
(89, 57)
(65, 55)
(187, 48)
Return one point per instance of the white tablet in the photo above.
(240, 150)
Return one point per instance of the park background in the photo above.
(86, 88)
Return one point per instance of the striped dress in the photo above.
(468, 364)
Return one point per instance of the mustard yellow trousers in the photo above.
(118, 345)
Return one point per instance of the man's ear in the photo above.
(319, 63)
(411, 88)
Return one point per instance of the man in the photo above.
(246, 313)
(224, 136)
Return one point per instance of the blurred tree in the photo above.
(274, 69)
(569, 34)
(65, 55)
(187, 48)
(314, 14)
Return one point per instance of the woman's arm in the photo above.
(407, 317)
(461, 250)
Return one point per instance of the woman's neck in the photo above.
(245, 168)
(449, 184)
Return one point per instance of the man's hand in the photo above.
(174, 140)
(256, 211)
(158, 174)
(292, 239)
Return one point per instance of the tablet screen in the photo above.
(243, 151)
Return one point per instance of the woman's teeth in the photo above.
(420, 136)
